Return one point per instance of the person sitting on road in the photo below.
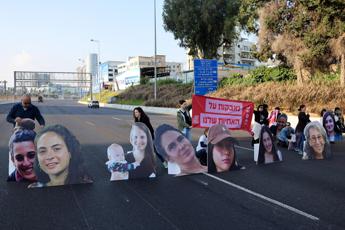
(285, 135)
(201, 148)
(22, 154)
(273, 117)
(176, 148)
(221, 150)
(279, 125)
(24, 110)
(117, 165)
(317, 145)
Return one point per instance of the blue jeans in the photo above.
(187, 133)
(300, 138)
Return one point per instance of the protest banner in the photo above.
(209, 111)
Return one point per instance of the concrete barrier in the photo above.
(293, 119)
(148, 109)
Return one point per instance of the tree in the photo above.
(306, 34)
(202, 26)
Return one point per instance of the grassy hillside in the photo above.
(316, 94)
(168, 94)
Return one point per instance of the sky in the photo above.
(42, 35)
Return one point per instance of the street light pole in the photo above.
(98, 65)
(155, 68)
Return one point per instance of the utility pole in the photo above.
(155, 68)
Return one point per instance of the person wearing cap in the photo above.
(24, 110)
(22, 154)
(285, 134)
(221, 151)
(303, 120)
(174, 147)
(184, 120)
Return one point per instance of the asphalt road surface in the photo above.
(294, 194)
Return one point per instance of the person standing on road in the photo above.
(24, 110)
(303, 120)
(184, 120)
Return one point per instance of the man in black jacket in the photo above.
(24, 110)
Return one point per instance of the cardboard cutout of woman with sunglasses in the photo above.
(175, 148)
(59, 159)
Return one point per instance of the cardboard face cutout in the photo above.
(59, 160)
(138, 163)
(221, 150)
(174, 147)
(22, 155)
(317, 145)
(334, 134)
(268, 151)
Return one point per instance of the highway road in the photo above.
(293, 194)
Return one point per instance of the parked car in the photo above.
(40, 99)
(93, 104)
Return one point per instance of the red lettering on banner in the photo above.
(208, 111)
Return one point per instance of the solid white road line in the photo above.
(90, 123)
(295, 210)
(115, 118)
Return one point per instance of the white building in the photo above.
(240, 54)
(136, 67)
(109, 71)
(175, 68)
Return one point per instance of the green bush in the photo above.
(167, 82)
(144, 80)
(264, 74)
